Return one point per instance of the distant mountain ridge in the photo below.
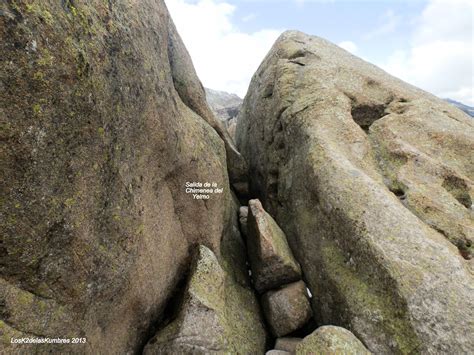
(225, 105)
(468, 109)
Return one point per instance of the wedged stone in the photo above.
(217, 315)
(277, 352)
(271, 259)
(243, 217)
(287, 344)
(331, 340)
(371, 180)
(286, 309)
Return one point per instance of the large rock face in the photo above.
(103, 120)
(372, 181)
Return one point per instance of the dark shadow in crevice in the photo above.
(365, 115)
(464, 245)
(399, 192)
(458, 188)
(169, 313)
(465, 249)
(305, 330)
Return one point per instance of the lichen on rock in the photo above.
(271, 259)
(331, 340)
(217, 315)
(369, 178)
(101, 128)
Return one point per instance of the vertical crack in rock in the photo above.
(169, 312)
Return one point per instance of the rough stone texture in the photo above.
(231, 127)
(371, 179)
(271, 259)
(243, 217)
(103, 120)
(331, 340)
(193, 95)
(286, 309)
(277, 352)
(217, 316)
(287, 344)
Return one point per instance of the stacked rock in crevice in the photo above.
(331, 340)
(275, 272)
(243, 215)
(287, 344)
(216, 315)
(271, 259)
(287, 308)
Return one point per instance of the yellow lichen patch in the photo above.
(37, 109)
(369, 300)
(70, 202)
(39, 75)
(35, 9)
(24, 298)
(46, 58)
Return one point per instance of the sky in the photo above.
(428, 43)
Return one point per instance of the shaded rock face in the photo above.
(243, 217)
(217, 315)
(370, 180)
(331, 340)
(231, 127)
(287, 344)
(103, 120)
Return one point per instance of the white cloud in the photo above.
(348, 46)
(225, 57)
(440, 57)
(249, 17)
(388, 23)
